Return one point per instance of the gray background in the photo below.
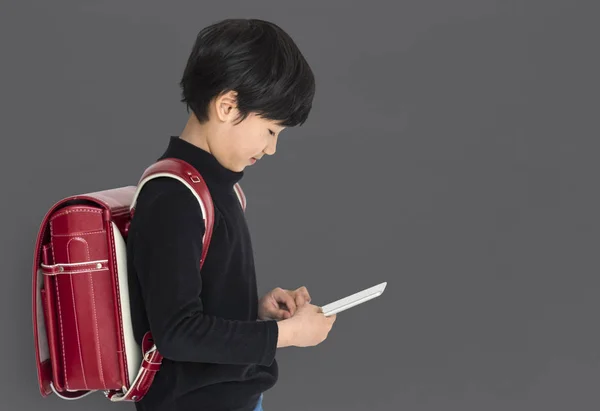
(452, 151)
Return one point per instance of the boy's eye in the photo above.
(271, 132)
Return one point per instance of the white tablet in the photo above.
(354, 299)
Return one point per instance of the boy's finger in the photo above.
(289, 302)
(284, 306)
(301, 299)
(302, 295)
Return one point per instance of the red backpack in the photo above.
(81, 315)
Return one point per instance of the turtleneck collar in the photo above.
(203, 161)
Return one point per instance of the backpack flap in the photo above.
(73, 292)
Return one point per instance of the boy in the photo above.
(245, 81)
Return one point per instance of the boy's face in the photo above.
(238, 145)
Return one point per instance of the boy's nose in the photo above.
(271, 149)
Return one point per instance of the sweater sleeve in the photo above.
(167, 256)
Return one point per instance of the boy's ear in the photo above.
(226, 106)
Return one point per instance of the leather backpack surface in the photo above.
(83, 334)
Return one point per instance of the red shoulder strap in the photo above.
(188, 175)
(240, 194)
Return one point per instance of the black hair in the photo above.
(256, 59)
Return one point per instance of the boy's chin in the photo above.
(238, 168)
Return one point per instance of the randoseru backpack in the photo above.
(81, 314)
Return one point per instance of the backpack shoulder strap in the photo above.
(189, 176)
(240, 194)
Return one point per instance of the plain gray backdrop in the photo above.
(452, 151)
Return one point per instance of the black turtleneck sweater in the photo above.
(217, 355)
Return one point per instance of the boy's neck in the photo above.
(196, 133)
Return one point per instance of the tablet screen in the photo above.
(354, 299)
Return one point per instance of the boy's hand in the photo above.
(307, 328)
(279, 304)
